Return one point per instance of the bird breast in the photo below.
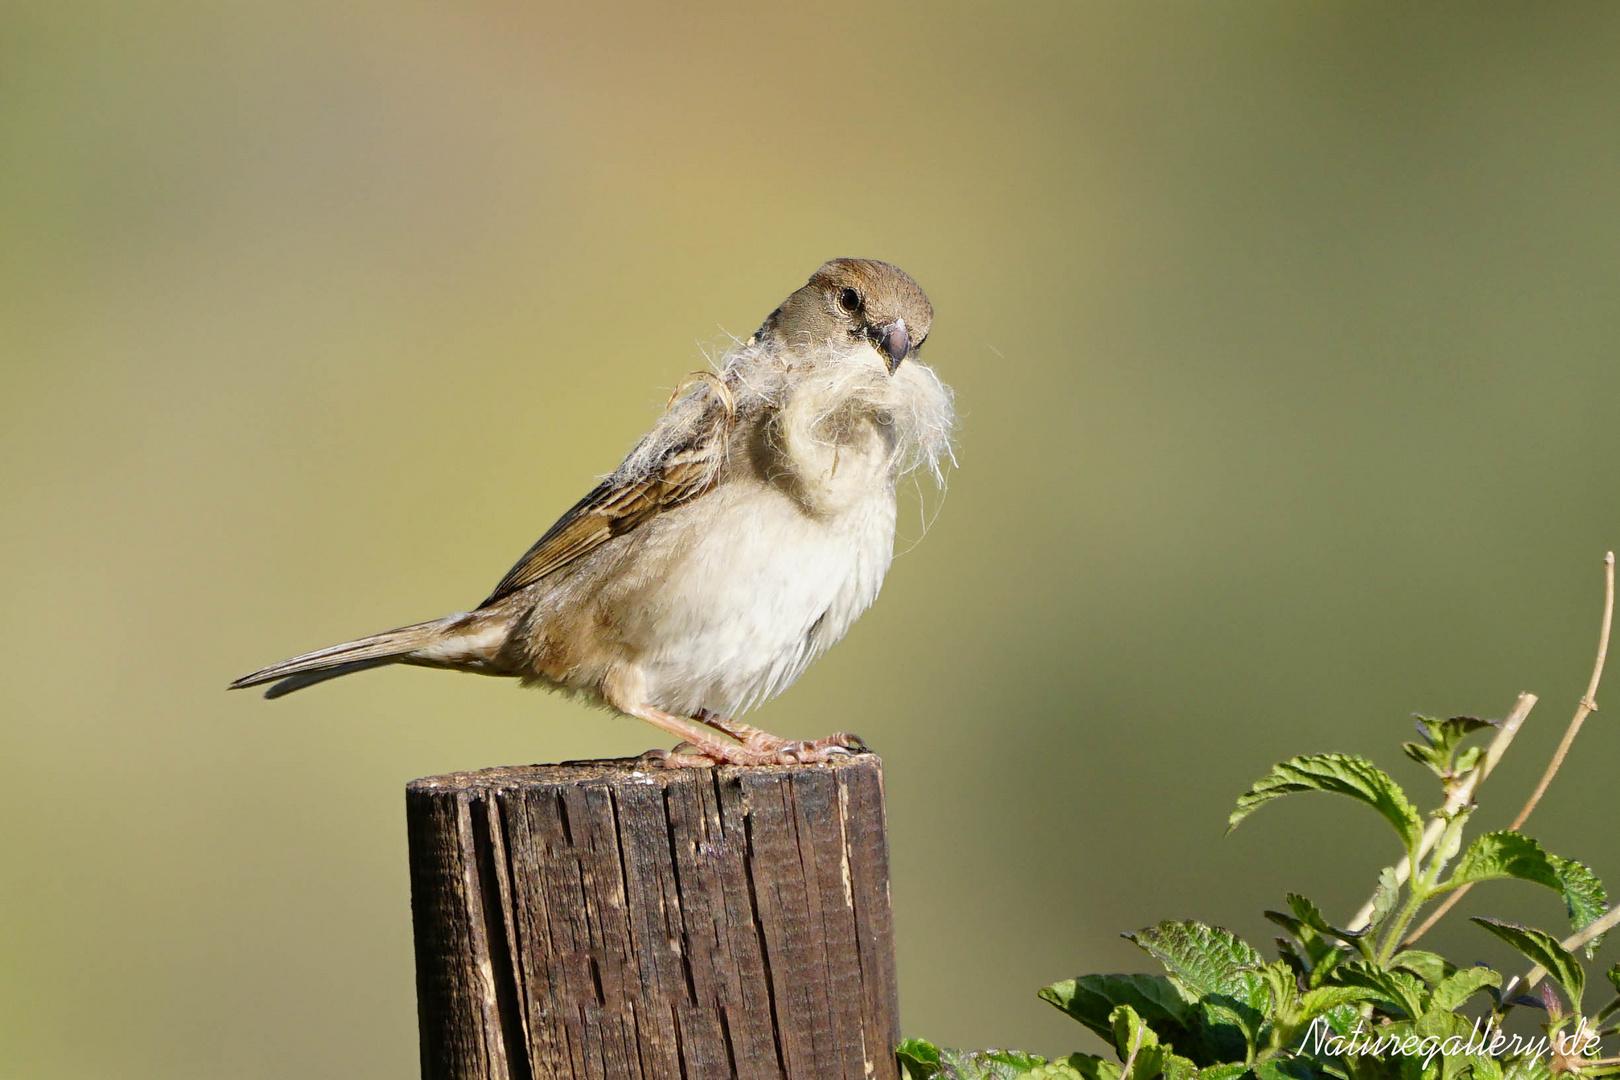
(785, 558)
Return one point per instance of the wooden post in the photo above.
(614, 921)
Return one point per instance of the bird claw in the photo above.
(684, 756)
(759, 748)
(805, 752)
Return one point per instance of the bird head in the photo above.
(854, 302)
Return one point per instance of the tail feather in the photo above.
(310, 678)
(351, 656)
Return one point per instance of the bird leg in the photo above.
(797, 750)
(701, 747)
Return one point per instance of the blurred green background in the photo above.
(1284, 337)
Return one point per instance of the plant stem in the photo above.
(1422, 884)
(1392, 940)
(1461, 795)
(1587, 706)
(1588, 703)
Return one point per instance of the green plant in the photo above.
(1358, 1001)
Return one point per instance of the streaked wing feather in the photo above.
(615, 507)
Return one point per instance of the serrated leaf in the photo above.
(918, 1058)
(1527, 1068)
(1428, 966)
(986, 1064)
(1451, 731)
(1441, 739)
(1384, 897)
(1508, 854)
(1308, 913)
(1337, 774)
(1284, 1069)
(1091, 999)
(1319, 940)
(1441, 1025)
(1204, 961)
(1228, 1070)
(1219, 971)
(1052, 1070)
(1092, 1067)
(1144, 1056)
(1287, 922)
(1283, 990)
(1394, 990)
(1289, 954)
(1462, 985)
(1316, 1002)
(1485, 1067)
(1425, 755)
(1315, 1006)
(1543, 949)
(1584, 897)
(1215, 973)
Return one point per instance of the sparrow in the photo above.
(741, 537)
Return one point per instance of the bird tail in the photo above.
(391, 647)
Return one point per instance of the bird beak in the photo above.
(895, 343)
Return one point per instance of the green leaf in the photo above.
(1204, 961)
(1428, 966)
(1526, 1067)
(1384, 897)
(1219, 971)
(967, 1064)
(1052, 1070)
(1145, 1057)
(1323, 944)
(1395, 990)
(991, 1063)
(1316, 1002)
(1228, 1070)
(1425, 755)
(1441, 1025)
(1440, 741)
(1465, 762)
(1311, 915)
(1281, 988)
(1545, 950)
(921, 1060)
(1509, 854)
(1092, 1067)
(1091, 1000)
(1584, 897)
(1452, 731)
(1462, 985)
(1485, 1067)
(1338, 774)
(1613, 975)
(1284, 1069)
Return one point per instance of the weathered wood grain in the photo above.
(610, 920)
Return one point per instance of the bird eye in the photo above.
(849, 300)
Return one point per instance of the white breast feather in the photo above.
(784, 565)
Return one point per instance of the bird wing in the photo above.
(619, 504)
